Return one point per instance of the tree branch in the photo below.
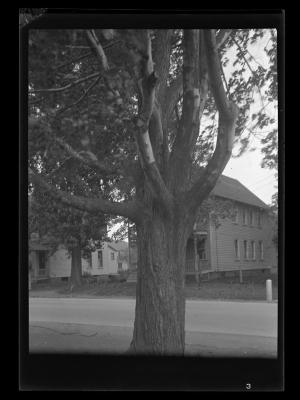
(91, 160)
(250, 69)
(36, 101)
(87, 157)
(181, 156)
(60, 89)
(228, 113)
(140, 48)
(214, 70)
(74, 60)
(222, 36)
(173, 93)
(161, 59)
(96, 45)
(156, 131)
(80, 98)
(131, 210)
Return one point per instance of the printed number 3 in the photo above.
(248, 386)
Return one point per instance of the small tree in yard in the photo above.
(78, 231)
(127, 110)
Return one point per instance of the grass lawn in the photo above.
(253, 288)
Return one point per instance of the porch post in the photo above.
(196, 260)
(129, 244)
(241, 275)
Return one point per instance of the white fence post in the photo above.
(269, 289)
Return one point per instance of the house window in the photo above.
(261, 250)
(237, 249)
(251, 217)
(246, 250)
(235, 218)
(112, 256)
(90, 260)
(42, 263)
(244, 216)
(201, 249)
(100, 259)
(259, 219)
(253, 250)
(119, 266)
(42, 259)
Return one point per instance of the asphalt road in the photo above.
(248, 318)
(215, 328)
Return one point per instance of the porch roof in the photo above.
(35, 246)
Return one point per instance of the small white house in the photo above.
(45, 264)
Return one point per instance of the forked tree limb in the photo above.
(174, 91)
(228, 114)
(140, 48)
(181, 156)
(208, 177)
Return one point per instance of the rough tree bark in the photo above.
(160, 299)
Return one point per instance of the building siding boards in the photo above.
(109, 266)
(223, 251)
(220, 241)
(58, 264)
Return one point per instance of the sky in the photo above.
(261, 181)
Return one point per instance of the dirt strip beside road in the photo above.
(91, 339)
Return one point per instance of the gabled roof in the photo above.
(232, 189)
(120, 245)
(112, 246)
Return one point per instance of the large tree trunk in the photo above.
(160, 299)
(76, 267)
